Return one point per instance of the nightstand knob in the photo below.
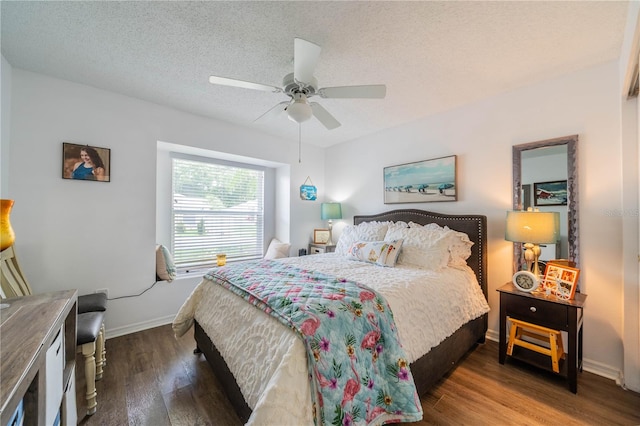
(533, 309)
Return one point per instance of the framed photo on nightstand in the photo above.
(561, 280)
(321, 236)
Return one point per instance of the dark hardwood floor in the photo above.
(153, 379)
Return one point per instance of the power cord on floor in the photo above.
(134, 295)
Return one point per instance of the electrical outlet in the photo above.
(103, 290)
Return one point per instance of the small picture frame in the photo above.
(552, 193)
(321, 236)
(84, 162)
(562, 280)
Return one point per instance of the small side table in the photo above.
(321, 248)
(550, 312)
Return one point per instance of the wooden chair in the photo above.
(13, 281)
(90, 321)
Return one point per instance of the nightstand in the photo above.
(546, 311)
(321, 248)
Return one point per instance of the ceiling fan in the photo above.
(300, 85)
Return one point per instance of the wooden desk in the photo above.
(550, 312)
(27, 329)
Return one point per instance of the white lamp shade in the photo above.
(533, 227)
(330, 211)
(299, 111)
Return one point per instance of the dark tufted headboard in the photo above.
(475, 226)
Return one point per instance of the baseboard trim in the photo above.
(141, 326)
(493, 335)
(602, 370)
(591, 366)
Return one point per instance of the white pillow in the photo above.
(366, 231)
(383, 253)
(393, 226)
(431, 247)
(459, 243)
(460, 248)
(277, 250)
(165, 268)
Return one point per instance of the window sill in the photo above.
(200, 272)
(192, 273)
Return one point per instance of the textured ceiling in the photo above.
(433, 56)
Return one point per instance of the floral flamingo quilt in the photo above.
(358, 371)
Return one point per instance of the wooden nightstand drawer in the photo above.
(539, 311)
(321, 248)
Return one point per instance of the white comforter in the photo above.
(268, 359)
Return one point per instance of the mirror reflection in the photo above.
(545, 178)
(544, 187)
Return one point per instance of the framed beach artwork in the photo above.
(552, 193)
(421, 182)
(84, 162)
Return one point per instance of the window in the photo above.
(218, 207)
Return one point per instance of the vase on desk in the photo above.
(7, 236)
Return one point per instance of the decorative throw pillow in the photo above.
(277, 250)
(383, 253)
(365, 231)
(165, 268)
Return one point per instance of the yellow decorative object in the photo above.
(7, 236)
(539, 334)
(221, 259)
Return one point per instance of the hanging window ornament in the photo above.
(308, 191)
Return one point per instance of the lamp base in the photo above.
(531, 256)
(330, 240)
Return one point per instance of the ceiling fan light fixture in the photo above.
(300, 85)
(299, 110)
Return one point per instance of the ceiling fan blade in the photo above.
(323, 116)
(305, 59)
(373, 91)
(272, 113)
(244, 84)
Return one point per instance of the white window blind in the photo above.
(217, 208)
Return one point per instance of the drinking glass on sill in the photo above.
(221, 259)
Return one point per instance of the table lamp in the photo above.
(330, 211)
(532, 228)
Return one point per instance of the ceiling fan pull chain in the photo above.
(299, 143)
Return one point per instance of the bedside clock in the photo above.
(525, 281)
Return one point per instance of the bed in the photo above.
(426, 369)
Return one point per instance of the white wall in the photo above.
(630, 200)
(481, 135)
(5, 126)
(93, 235)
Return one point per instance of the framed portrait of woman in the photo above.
(85, 162)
